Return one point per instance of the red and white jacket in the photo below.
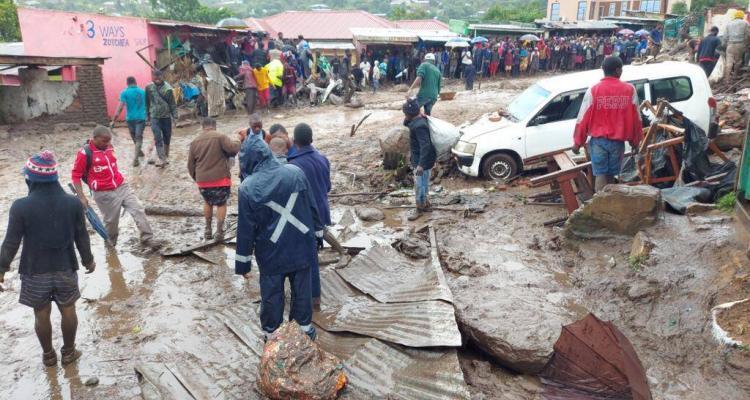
(609, 110)
(103, 174)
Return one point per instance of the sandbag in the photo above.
(294, 367)
(444, 136)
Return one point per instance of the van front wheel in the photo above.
(499, 167)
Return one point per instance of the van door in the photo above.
(679, 92)
(552, 127)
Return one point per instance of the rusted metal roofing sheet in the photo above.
(418, 324)
(421, 24)
(390, 277)
(244, 322)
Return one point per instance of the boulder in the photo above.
(294, 367)
(617, 209)
(395, 147)
(369, 214)
(730, 139)
(699, 208)
(641, 247)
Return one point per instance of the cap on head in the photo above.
(41, 167)
(411, 107)
(429, 57)
(714, 29)
(739, 14)
(303, 134)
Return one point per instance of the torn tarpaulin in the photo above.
(679, 197)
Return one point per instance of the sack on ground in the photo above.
(294, 367)
(444, 136)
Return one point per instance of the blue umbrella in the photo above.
(94, 220)
(642, 32)
(479, 39)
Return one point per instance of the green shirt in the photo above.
(160, 101)
(429, 89)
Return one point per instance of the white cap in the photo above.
(429, 57)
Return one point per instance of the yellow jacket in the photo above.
(261, 78)
(275, 72)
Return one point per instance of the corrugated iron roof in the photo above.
(256, 24)
(418, 324)
(192, 25)
(578, 25)
(390, 277)
(504, 28)
(382, 371)
(323, 25)
(383, 35)
(337, 45)
(421, 24)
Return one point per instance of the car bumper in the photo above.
(466, 163)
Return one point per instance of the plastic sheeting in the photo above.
(679, 197)
(594, 360)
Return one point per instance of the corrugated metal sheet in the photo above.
(390, 277)
(418, 324)
(323, 25)
(504, 28)
(422, 24)
(244, 322)
(383, 35)
(382, 371)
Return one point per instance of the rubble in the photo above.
(641, 247)
(294, 367)
(729, 139)
(617, 209)
(369, 214)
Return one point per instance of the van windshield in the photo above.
(528, 101)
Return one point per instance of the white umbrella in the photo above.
(457, 42)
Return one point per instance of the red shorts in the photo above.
(264, 96)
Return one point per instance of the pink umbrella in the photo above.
(625, 32)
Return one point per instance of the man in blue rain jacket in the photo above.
(278, 222)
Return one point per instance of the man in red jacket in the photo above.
(609, 114)
(96, 164)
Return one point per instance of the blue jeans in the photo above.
(606, 156)
(422, 187)
(162, 129)
(427, 104)
(136, 129)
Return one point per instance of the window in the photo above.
(653, 6)
(527, 102)
(562, 108)
(623, 8)
(640, 88)
(672, 89)
(581, 11)
(554, 12)
(611, 9)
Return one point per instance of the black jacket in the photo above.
(50, 222)
(707, 48)
(422, 150)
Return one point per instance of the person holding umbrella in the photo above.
(50, 225)
(96, 165)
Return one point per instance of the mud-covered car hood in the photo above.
(484, 126)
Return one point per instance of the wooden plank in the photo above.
(42, 60)
(544, 156)
(668, 142)
(569, 197)
(672, 128)
(552, 177)
(564, 161)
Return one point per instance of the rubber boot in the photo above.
(207, 233)
(220, 229)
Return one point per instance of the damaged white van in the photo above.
(542, 118)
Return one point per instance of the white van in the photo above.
(542, 118)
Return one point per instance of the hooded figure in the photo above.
(278, 222)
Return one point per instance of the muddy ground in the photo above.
(140, 307)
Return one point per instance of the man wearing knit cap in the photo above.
(96, 165)
(51, 225)
(423, 156)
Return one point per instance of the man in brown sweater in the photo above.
(208, 164)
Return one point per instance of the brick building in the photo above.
(578, 10)
(76, 95)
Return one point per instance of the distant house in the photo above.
(421, 24)
(324, 25)
(576, 10)
(405, 3)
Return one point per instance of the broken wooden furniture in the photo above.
(573, 181)
(661, 126)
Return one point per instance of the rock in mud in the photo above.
(618, 209)
(395, 140)
(93, 381)
(370, 214)
(699, 208)
(413, 247)
(642, 246)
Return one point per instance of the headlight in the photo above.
(465, 147)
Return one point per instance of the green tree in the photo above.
(697, 5)
(680, 8)
(188, 10)
(9, 30)
(519, 12)
(401, 12)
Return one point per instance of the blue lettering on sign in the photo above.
(90, 32)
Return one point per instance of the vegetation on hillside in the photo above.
(9, 31)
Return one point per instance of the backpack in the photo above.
(444, 136)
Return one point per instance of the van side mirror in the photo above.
(539, 120)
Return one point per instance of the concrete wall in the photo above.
(43, 103)
(67, 34)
